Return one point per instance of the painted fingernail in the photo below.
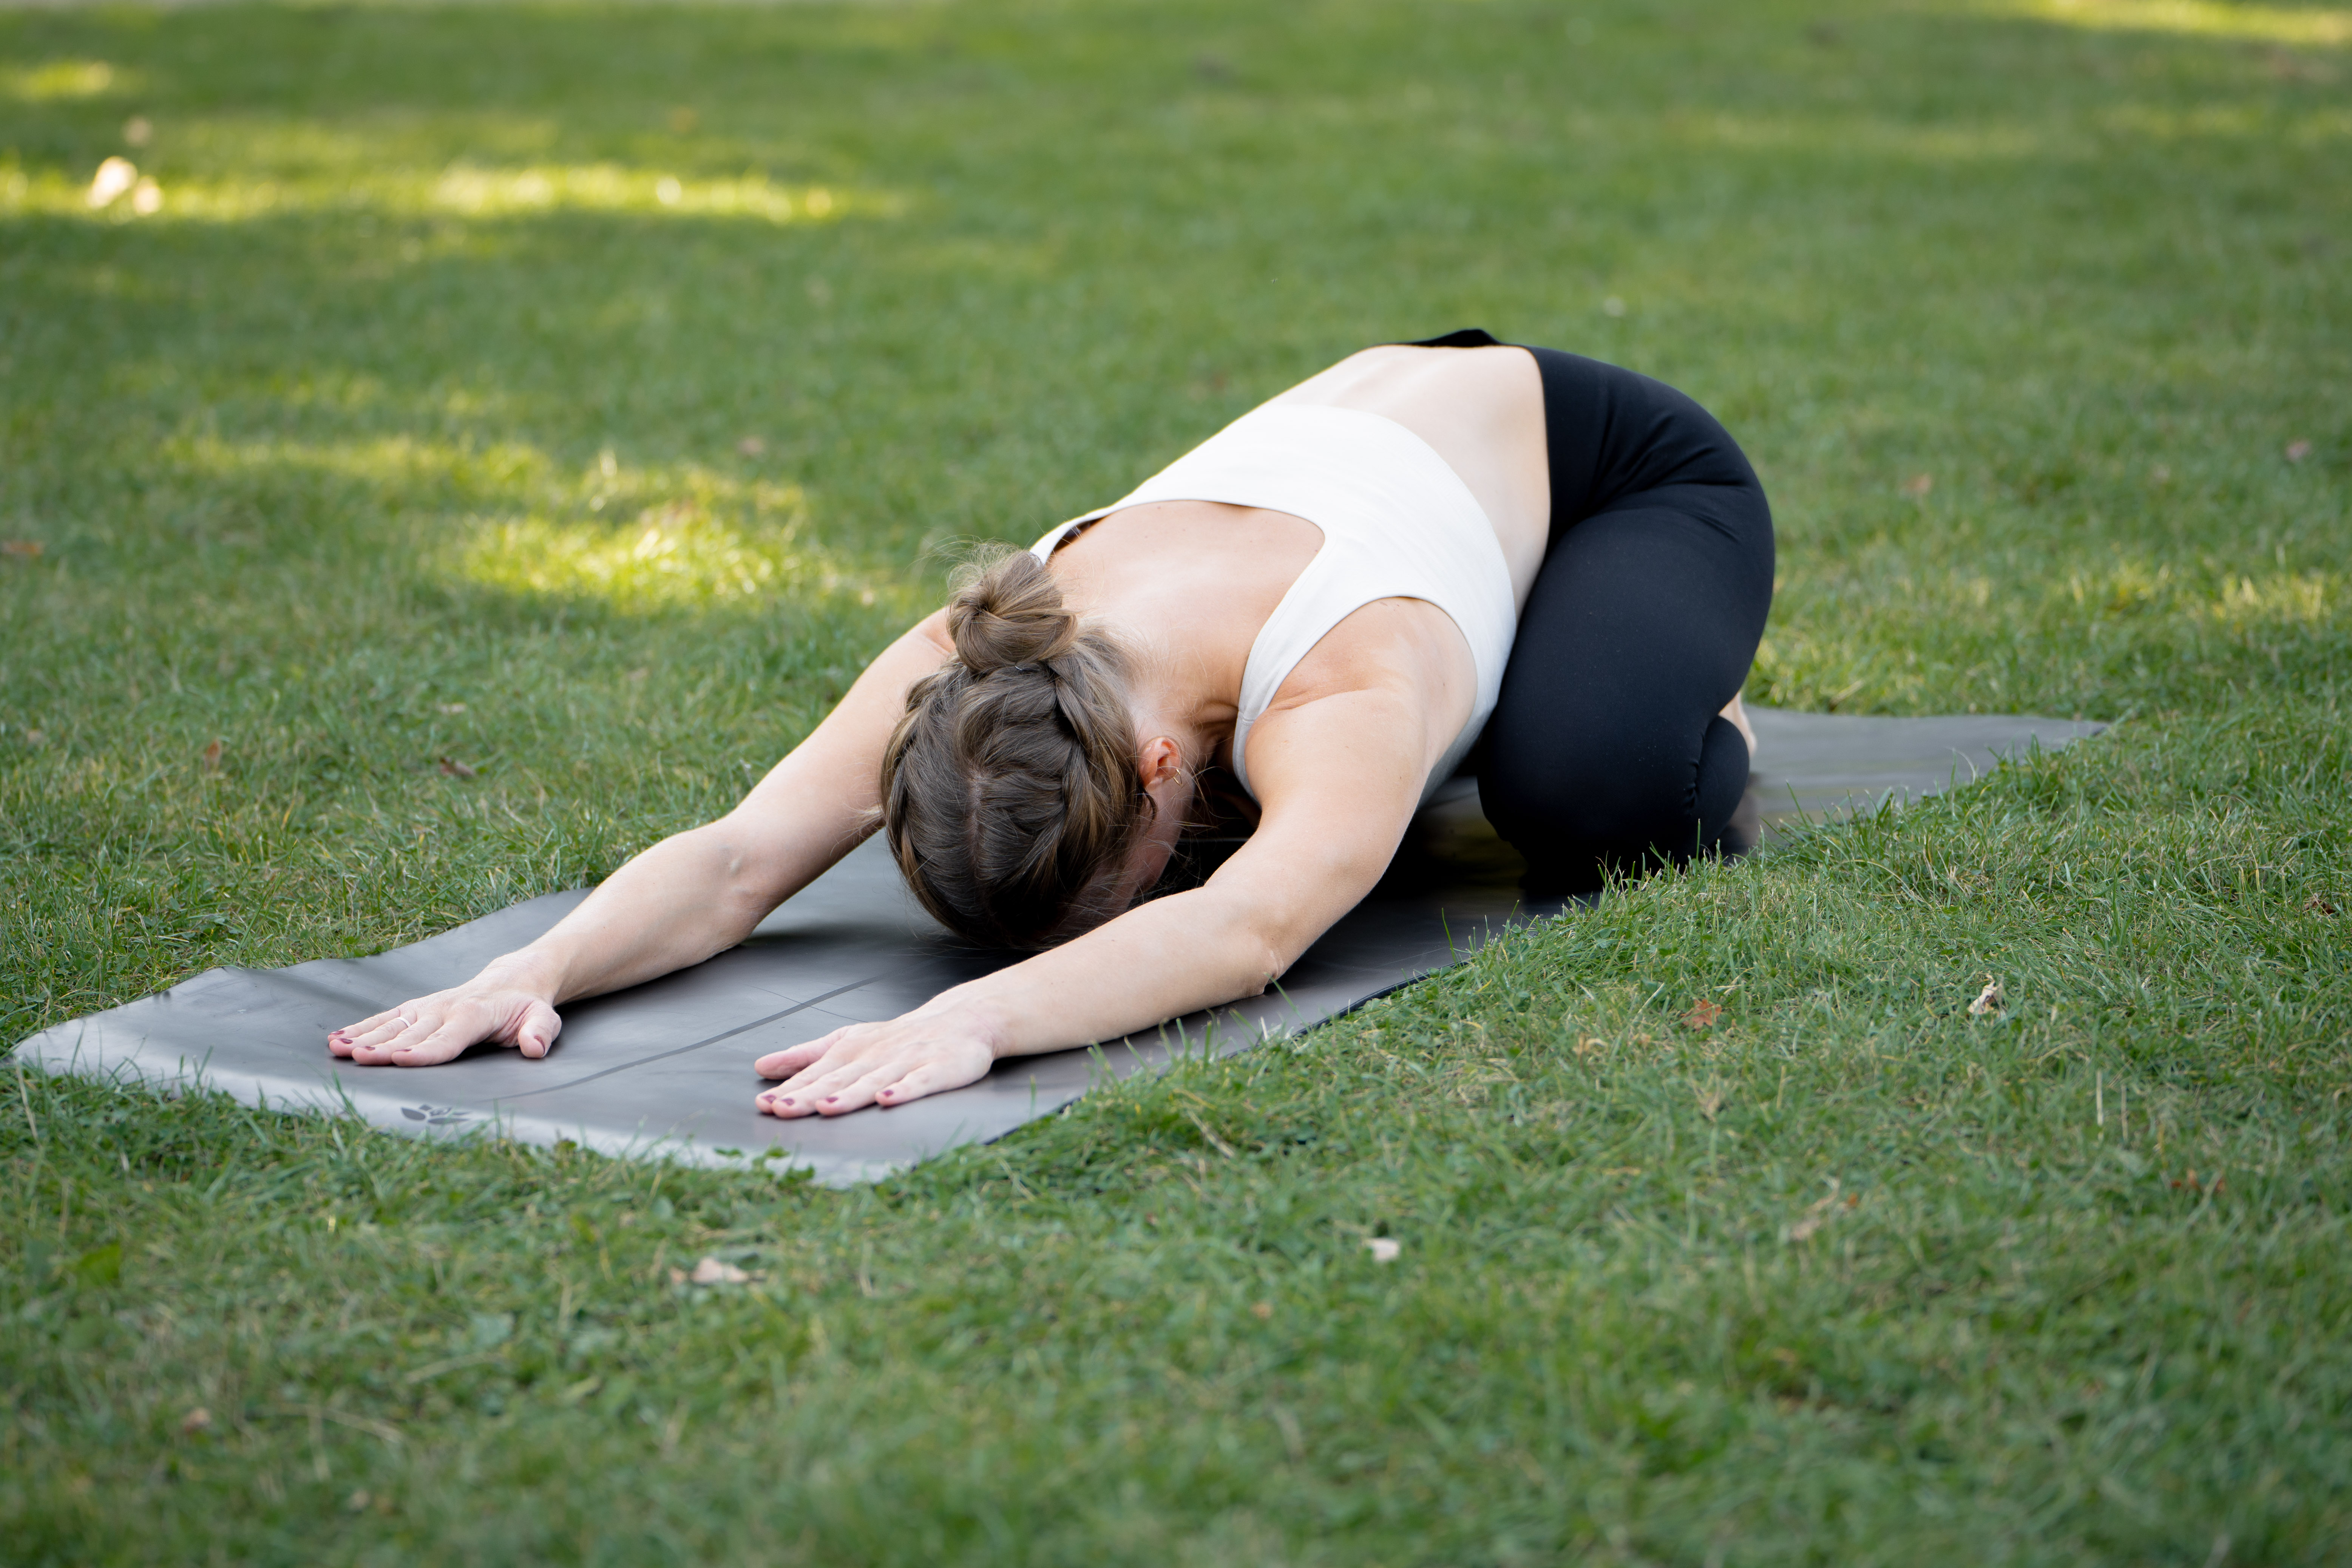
(831, 1097)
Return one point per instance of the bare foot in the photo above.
(1736, 713)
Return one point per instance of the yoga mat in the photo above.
(664, 1070)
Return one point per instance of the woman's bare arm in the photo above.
(692, 895)
(1339, 777)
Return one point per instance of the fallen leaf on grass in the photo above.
(1710, 1102)
(197, 1420)
(2296, 451)
(34, 737)
(212, 757)
(1918, 485)
(1383, 1248)
(358, 1501)
(717, 1271)
(450, 707)
(1262, 1311)
(1989, 1000)
(23, 549)
(2317, 906)
(455, 769)
(1703, 1015)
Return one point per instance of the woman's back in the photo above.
(1254, 553)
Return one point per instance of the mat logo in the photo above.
(435, 1115)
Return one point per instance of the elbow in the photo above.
(1265, 959)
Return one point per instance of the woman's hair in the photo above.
(1010, 790)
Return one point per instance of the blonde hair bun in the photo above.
(1009, 611)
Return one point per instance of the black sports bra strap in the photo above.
(1468, 338)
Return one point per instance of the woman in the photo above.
(1425, 546)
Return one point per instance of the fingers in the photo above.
(376, 1047)
(342, 1040)
(826, 1074)
(858, 1092)
(849, 1073)
(437, 1029)
(374, 1033)
(794, 1059)
(929, 1079)
(420, 1048)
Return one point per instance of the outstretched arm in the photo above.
(692, 895)
(1339, 779)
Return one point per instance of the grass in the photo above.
(579, 394)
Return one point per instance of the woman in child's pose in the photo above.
(1423, 547)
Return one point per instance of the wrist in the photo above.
(541, 974)
(975, 1011)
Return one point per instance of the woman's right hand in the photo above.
(497, 1006)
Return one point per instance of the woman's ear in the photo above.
(1161, 761)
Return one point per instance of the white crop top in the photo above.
(1397, 522)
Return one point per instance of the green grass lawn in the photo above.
(579, 395)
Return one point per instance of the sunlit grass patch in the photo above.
(666, 537)
(2206, 18)
(1884, 136)
(631, 538)
(460, 190)
(609, 187)
(2299, 599)
(55, 81)
(384, 463)
(668, 556)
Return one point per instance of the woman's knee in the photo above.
(1576, 810)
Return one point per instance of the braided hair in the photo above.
(1010, 790)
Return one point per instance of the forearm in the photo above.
(691, 895)
(700, 893)
(1160, 961)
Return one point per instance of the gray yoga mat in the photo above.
(664, 1070)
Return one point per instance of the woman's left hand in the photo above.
(889, 1063)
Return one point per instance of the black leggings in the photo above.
(1608, 751)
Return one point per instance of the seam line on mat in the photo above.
(681, 1050)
